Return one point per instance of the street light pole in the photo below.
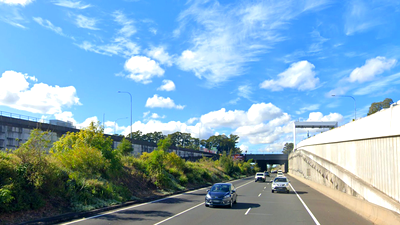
(115, 122)
(355, 110)
(131, 111)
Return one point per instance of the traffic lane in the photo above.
(152, 212)
(278, 208)
(326, 210)
(255, 205)
(220, 215)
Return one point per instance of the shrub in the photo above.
(91, 139)
(87, 161)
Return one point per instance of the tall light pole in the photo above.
(115, 122)
(355, 110)
(199, 136)
(131, 111)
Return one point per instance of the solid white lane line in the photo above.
(179, 213)
(247, 211)
(259, 195)
(305, 206)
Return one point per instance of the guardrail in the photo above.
(23, 117)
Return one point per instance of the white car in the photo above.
(280, 184)
(280, 174)
(260, 176)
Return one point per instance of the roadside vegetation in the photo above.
(81, 171)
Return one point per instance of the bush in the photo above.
(89, 139)
(87, 161)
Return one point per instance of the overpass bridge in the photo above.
(264, 159)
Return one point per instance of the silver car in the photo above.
(280, 184)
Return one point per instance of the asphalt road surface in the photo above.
(255, 205)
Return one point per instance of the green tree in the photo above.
(288, 148)
(125, 147)
(137, 135)
(164, 144)
(377, 106)
(223, 143)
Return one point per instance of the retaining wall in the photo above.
(361, 158)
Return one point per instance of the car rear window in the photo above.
(220, 188)
(280, 180)
(260, 174)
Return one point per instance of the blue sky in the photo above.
(249, 68)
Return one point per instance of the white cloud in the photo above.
(159, 54)
(128, 29)
(86, 22)
(114, 48)
(16, 2)
(168, 85)
(308, 108)
(15, 92)
(276, 147)
(72, 4)
(245, 91)
(11, 15)
(156, 116)
(371, 68)
(145, 114)
(359, 17)
(143, 69)
(153, 30)
(47, 24)
(161, 102)
(227, 37)
(299, 75)
(66, 116)
(87, 122)
(192, 120)
(234, 101)
(152, 115)
(379, 85)
(261, 124)
(318, 116)
(223, 118)
(244, 148)
(256, 114)
(317, 46)
(267, 132)
(120, 44)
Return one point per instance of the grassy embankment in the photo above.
(82, 172)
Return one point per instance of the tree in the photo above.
(223, 143)
(288, 148)
(137, 135)
(377, 106)
(125, 147)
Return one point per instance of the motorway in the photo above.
(255, 205)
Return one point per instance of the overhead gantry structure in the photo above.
(311, 124)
